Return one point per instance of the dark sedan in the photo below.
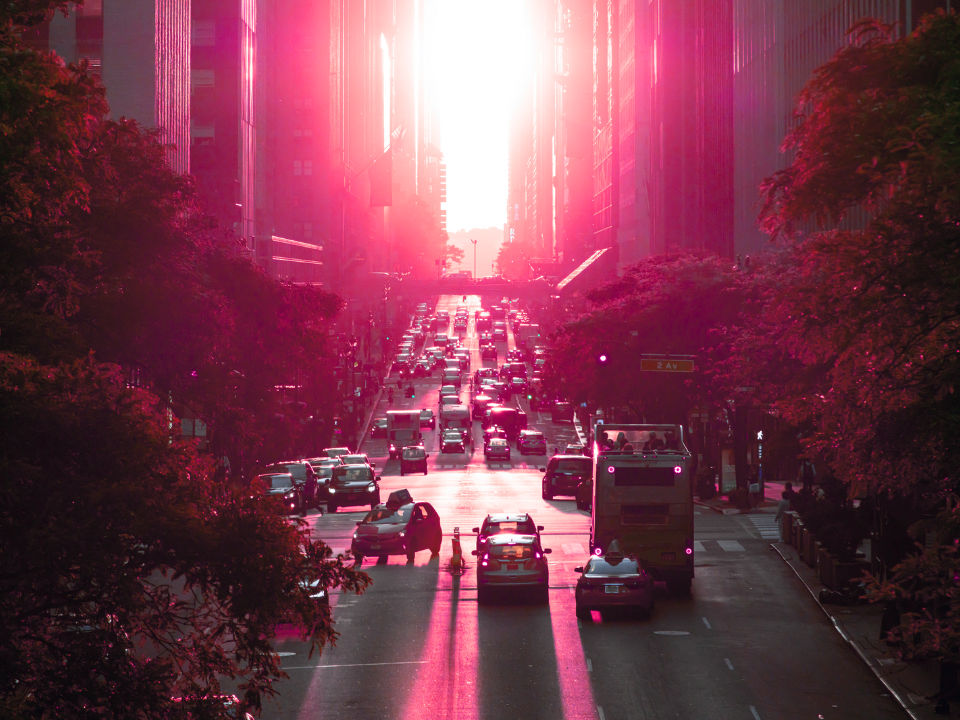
(413, 459)
(532, 441)
(613, 580)
(353, 485)
(282, 486)
(452, 442)
(497, 447)
(399, 527)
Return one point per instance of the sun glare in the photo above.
(484, 46)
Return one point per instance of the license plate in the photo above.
(513, 567)
(375, 546)
(612, 589)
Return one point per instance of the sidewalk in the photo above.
(772, 493)
(911, 684)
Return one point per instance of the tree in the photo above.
(128, 575)
(864, 324)
(420, 241)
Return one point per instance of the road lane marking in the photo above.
(707, 623)
(316, 667)
(670, 632)
(730, 545)
(756, 715)
(604, 717)
(698, 546)
(729, 664)
(573, 548)
(589, 665)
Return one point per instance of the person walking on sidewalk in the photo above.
(782, 507)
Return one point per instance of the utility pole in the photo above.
(474, 258)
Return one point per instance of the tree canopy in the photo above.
(131, 569)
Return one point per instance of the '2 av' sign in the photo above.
(666, 365)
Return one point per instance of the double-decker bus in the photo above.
(643, 497)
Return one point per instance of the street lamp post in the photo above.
(474, 258)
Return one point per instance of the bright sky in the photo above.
(482, 50)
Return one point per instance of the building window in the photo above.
(298, 167)
(204, 33)
(201, 79)
(201, 135)
(307, 230)
(308, 167)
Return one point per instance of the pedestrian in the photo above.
(782, 507)
(789, 492)
(390, 396)
(807, 474)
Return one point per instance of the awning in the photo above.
(590, 273)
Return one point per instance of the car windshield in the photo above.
(413, 453)
(297, 470)
(577, 466)
(599, 566)
(279, 482)
(351, 459)
(512, 552)
(512, 527)
(426, 413)
(389, 515)
(353, 474)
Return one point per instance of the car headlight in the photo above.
(401, 534)
(371, 488)
(333, 491)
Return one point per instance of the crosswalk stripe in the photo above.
(766, 525)
(730, 545)
(697, 546)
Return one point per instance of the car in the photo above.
(510, 563)
(282, 486)
(398, 527)
(487, 372)
(488, 352)
(459, 324)
(353, 485)
(499, 335)
(518, 385)
(323, 467)
(564, 473)
(574, 449)
(357, 459)
(378, 429)
(514, 356)
(485, 339)
(413, 458)
(505, 524)
(613, 580)
(424, 367)
(497, 447)
(446, 400)
(480, 403)
(448, 390)
(303, 475)
(452, 377)
(440, 340)
(513, 369)
(494, 431)
(562, 412)
(428, 418)
(452, 442)
(484, 321)
(336, 451)
(531, 441)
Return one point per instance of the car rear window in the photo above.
(599, 566)
(512, 552)
(524, 527)
(353, 473)
(413, 454)
(278, 482)
(579, 466)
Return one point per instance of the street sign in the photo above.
(666, 364)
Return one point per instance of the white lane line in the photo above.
(316, 667)
(707, 623)
(756, 715)
(579, 624)
(589, 665)
(698, 546)
(730, 545)
(729, 664)
(604, 717)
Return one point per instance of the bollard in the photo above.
(457, 559)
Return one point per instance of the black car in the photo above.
(353, 485)
(378, 429)
(399, 527)
(304, 476)
(282, 486)
(532, 441)
(413, 459)
(452, 442)
(489, 352)
(564, 473)
(428, 418)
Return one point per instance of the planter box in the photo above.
(787, 521)
(809, 553)
(796, 538)
(834, 574)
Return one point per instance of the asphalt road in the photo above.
(748, 643)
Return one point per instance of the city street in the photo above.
(747, 643)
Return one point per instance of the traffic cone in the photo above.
(457, 559)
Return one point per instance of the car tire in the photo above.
(357, 560)
(547, 494)
(583, 613)
(331, 507)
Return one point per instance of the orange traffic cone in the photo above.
(457, 559)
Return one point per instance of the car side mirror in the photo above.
(539, 527)
(578, 569)
(477, 530)
(543, 470)
(373, 465)
(360, 522)
(547, 551)
(378, 478)
(473, 552)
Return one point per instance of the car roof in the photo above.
(273, 474)
(507, 517)
(353, 465)
(512, 539)
(498, 441)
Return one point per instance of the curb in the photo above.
(734, 511)
(365, 433)
(838, 626)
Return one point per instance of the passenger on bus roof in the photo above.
(621, 441)
(653, 443)
(628, 448)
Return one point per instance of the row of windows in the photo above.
(303, 167)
